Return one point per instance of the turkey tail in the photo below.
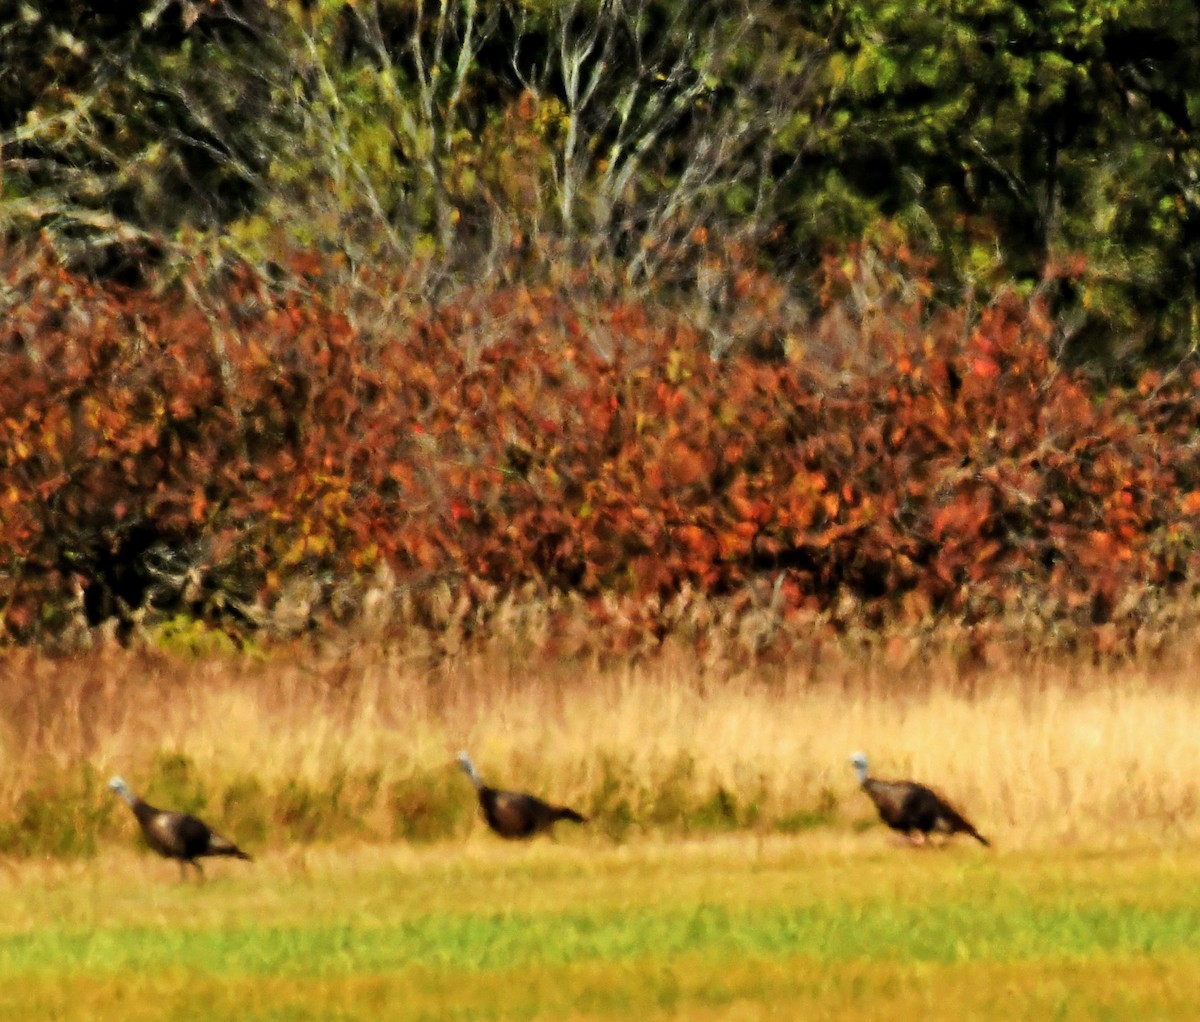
(965, 826)
(978, 837)
(223, 846)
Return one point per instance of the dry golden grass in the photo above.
(1065, 755)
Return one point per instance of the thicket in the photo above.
(259, 459)
(654, 314)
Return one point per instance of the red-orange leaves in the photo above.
(685, 466)
(525, 439)
(698, 544)
(984, 366)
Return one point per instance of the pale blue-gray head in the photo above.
(859, 761)
(118, 785)
(464, 761)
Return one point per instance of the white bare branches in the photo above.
(659, 130)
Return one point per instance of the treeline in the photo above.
(651, 143)
(649, 315)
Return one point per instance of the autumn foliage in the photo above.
(203, 448)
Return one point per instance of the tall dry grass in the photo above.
(341, 740)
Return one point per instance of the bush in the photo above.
(259, 463)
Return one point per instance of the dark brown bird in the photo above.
(912, 808)
(178, 836)
(513, 814)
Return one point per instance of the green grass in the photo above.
(730, 928)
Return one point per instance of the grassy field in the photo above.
(734, 927)
(732, 869)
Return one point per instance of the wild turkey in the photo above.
(513, 814)
(913, 808)
(178, 836)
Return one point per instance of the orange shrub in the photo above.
(197, 450)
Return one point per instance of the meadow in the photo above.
(732, 927)
(732, 869)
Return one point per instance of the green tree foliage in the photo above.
(653, 144)
(1016, 137)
